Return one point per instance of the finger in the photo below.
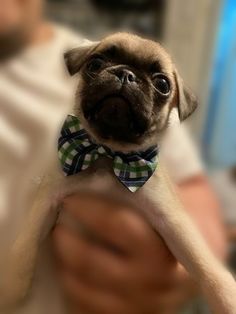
(174, 299)
(122, 227)
(140, 236)
(98, 217)
(91, 300)
(104, 269)
(94, 301)
(90, 262)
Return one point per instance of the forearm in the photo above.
(201, 203)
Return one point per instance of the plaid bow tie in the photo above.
(77, 152)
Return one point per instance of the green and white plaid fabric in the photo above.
(77, 152)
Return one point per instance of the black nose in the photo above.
(126, 76)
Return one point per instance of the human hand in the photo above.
(126, 270)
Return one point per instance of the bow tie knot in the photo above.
(77, 152)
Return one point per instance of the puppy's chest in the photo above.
(98, 178)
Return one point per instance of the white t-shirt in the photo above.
(36, 93)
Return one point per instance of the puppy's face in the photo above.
(127, 88)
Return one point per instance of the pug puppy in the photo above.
(127, 89)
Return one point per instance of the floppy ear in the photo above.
(76, 57)
(187, 101)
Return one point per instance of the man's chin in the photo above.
(12, 41)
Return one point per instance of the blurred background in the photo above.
(200, 36)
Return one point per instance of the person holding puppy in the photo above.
(145, 278)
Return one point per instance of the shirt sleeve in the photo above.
(180, 155)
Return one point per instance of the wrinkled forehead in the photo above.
(131, 49)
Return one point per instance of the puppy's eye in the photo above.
(162, 84)
(95, 64)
